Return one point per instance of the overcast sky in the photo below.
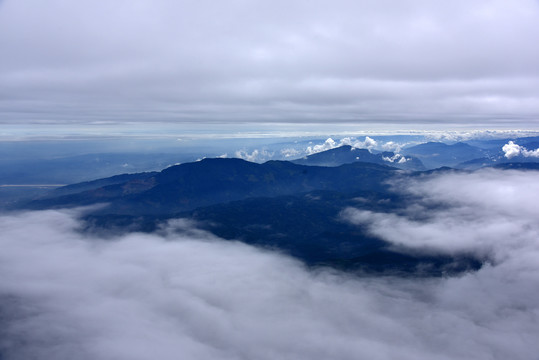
(464, 62)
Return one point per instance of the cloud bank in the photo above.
(489, 212)
(182, 293)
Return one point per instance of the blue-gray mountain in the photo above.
(437, 154)
(473, 155)
(347, 154)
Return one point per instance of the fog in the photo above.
(183, 293)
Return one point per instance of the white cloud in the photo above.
(400, 159)
(368, 143)
(255, 156)
(291, 153)
(392, 146)
(182, 293)
(329, 144)
(489, 212)
(511, 149)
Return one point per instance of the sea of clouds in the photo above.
(182, 293)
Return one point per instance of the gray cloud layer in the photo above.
(300, 61)
(488, 212)
(189, 295)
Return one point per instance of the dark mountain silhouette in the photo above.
(279, 205)
(308, 227)
(213, 181)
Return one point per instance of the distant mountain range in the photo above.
(465, 156)
(347, 154)
(437, 154)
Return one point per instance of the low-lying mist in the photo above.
(183, 293)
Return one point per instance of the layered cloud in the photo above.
(269, 61)
(182, 293)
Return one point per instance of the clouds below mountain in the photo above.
(489, 212)
(183, 293)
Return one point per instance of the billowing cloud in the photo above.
(269, 61)
(329, 144)
(182, 293)
(400, 159)
(368, 143)
(511, 149)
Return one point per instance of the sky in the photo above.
(183, 293)
(155, 65)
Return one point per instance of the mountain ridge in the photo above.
(211, 181)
